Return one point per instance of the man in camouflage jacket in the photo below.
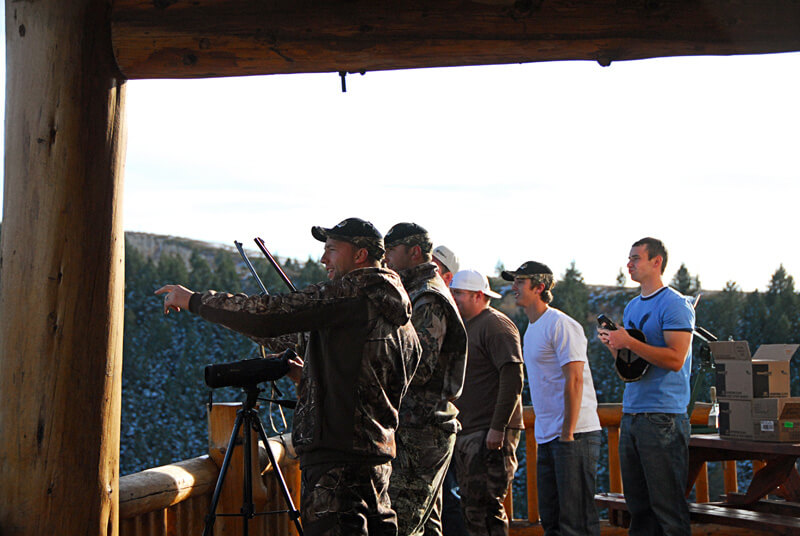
(428, 424)
(361, 354)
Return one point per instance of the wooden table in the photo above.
(749, 510)
(778, 477)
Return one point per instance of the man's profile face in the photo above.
(640, 265)
(399, 257)
(466, 301)
(524, 292)
(446, 275)
(339, 258)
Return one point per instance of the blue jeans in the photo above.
(654, 458)
(565, 477)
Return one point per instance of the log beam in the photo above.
(61, 271)
(206, 38)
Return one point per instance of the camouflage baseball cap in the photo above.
(527, 270)
(409, 234)
(358, 232)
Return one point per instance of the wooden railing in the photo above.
(174, 499)
(610, 419)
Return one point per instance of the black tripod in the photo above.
(249, 417)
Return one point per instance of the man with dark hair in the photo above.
(428, 423)
(490, 406)
(654, 248)
(567, 428)
(361, 354)
(654, 434)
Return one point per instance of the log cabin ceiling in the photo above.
(208, 38)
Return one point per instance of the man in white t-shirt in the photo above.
(567, 428)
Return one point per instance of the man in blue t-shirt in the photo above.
(654, 436)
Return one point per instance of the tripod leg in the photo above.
(248, 508)
(212, 509)
(294, 513)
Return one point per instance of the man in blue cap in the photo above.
(361, 354)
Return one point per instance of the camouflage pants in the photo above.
(423, 456)
(344, 500)
(483, 476)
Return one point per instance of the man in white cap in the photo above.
(490, 407)
(447, 262)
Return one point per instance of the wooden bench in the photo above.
(617, 508)
(774, 523)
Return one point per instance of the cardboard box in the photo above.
(740, 377)
(780, 431)
(776, 419)
(771, 370)
(777, 408)
(736, 419)
(734, 373)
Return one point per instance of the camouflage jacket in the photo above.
(361, 354)
(440, 375)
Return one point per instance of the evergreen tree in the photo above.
(754, 320)
(621, 279)
(722, 313)
(312, 272)
(225, 275)
(684, 283)
(572, 296)
(201, 277)
(172, 268)
(782, 303)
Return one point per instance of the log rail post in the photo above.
(61, 271)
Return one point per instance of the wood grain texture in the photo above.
(61, 271)
(161, 487)
(205, 38)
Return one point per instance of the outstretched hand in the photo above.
(177, 297)
(295, 368)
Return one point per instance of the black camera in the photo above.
(248, 371)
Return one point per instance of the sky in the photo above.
(554, 162)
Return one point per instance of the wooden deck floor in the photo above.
(523, 528)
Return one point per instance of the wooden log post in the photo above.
(701, 485)
(531, 453)
(61, 271)
(730, 477)
(611, 419)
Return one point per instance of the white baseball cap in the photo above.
(446, 256)
(473, 280)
